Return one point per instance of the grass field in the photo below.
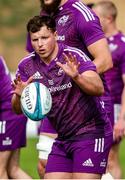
(122, 157)
(29, 157)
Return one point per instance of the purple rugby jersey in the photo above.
(6, 112)
(114, 76)
(77, 25)
(73, 112)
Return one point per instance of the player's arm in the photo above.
(93, 37)
(18, 86)
(89, 81)
(102, 57)
(119, 127)
(16, 104)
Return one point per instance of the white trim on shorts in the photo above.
(44, 146)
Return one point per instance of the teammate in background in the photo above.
(79, 27)
(107, 12)
(84, 131)
(12, 130)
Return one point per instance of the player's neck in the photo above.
(111, 30)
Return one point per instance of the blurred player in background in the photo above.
(12, 130)
(107, 12)
(84, 130)
(79, 27)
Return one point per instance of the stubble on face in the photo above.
(50, 6)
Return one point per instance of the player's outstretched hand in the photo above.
(18, 85)
(119, 130)
(71, 66)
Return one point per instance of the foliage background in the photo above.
(14, 15)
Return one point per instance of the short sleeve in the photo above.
(89, 29)
(22, 72)
(122, 63)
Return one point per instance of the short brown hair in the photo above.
(37, 22)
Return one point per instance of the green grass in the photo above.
(122, 157)
(29, 157)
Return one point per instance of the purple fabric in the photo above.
(12, 126)
(46, 127)
(13, 134)
(73, 112)
(114, 76)
(79, 27)
(83, 156)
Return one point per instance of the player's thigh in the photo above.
(41, 167)
(91, 156)
(58, 160)
(114, 153)
(58, 175)
(4, 158)
(14, 158)
(42, 163)
(86, 176)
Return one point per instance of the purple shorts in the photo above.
(13, 133)
(83, 156)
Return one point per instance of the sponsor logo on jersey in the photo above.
(111, 38)
(62, 21)
(113, 47)
(102, 104)
(61, 38)
(37, 75)
(60, 88)
(60, 72)
(51, 82)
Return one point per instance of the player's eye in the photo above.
(44, 37)
(34, 40)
